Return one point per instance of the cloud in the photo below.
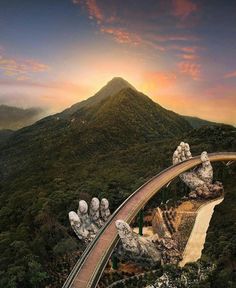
(190, 69)
(230, 75)
(140, 24)
(185, 49)
(187, 53)
(95, 11)
(183, 8)
(192, 49)
(189, 56)
(123, 36)
(20, 68)
(173, 38)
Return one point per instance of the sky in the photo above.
(181, 53)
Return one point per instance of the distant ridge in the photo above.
(196, 122)
(15, 118)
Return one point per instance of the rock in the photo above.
(87, 225)
(153, 248)
(77, 226)
(94, 212)
(104, 209)
(136, 245)
(199, 180)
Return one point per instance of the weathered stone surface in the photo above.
(129, 239)
(158, 224)
(190, 277)
(85, 218)
(199, 180)
(169, 251)
(153, 248)
(94, 212)
(104, 209)
(79, 229)
(87, 225)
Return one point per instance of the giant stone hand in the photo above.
(163, 245)
(152, 248)
(87, 225)
(199, 180)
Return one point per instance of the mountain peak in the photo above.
(113, 87)
(118, 83)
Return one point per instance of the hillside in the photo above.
(15, 118)
(5, 134)
(107, 148)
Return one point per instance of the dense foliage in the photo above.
(5, 134)
(107, 149)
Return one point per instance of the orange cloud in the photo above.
(190, 69)
(168, 38)
(122, 36)
(125, 37)
(187, 52)
(135, 26)
(189, 56)
(183, 8)
(230, 75)
(21, 68)
(185, 49)
(190, 49)
(94, 11)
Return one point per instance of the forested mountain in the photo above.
(106, 148)
(118, 121)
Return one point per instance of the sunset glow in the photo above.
(178, 52)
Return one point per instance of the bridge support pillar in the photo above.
(114, 262)
(140, 223)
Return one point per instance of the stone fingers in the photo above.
(85, 224)
(181, 153)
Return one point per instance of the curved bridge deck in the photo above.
(87, 271)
